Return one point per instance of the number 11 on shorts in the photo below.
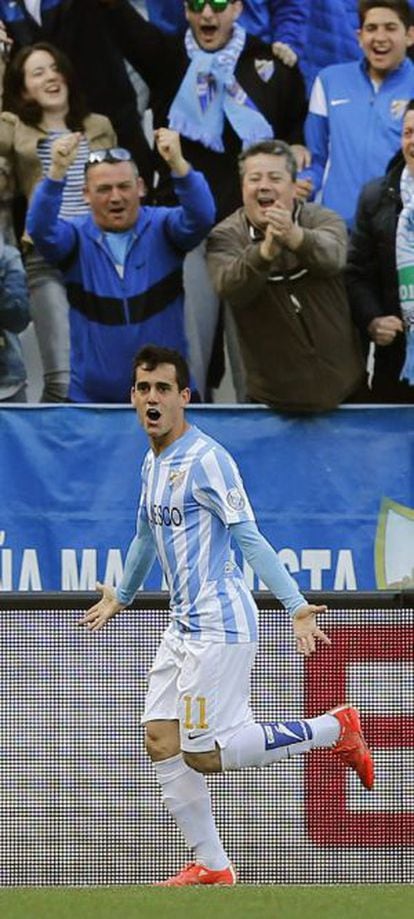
(193, 708)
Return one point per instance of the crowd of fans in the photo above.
(261, 206)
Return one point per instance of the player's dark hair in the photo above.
(400, 7)
(150, 356)
(28, 110)
(274, 148)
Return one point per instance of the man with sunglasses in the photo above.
(122, 263)
(221, 89)
(219, 86)
(280, 22)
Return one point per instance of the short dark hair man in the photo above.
(197, 712)
(279, 263)
(356, 108)
(122, 263)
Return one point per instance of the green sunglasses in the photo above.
(197, 6)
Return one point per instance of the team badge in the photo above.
(235, 499)
(176, 477)
(398, 107)
(394, 546)
(265, 69)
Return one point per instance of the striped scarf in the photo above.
(210, 92)
(404, 254)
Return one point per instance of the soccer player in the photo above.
(197, 713)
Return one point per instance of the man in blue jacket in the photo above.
(122, 263)
(14, 318)
(356, 109)
(332, 36)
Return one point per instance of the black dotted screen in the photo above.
(79, 801)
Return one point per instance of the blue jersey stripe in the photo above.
(192, 493)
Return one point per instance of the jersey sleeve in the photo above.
(218, 486)
(317, 130)
(139, 560)
(265, 561)
(141, 553)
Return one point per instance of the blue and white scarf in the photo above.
(404, 254)
(210, 92)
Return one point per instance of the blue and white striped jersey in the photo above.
(191, 493)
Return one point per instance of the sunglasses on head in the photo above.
(197, 6)
(108, 155)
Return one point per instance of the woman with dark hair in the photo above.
(42, 103)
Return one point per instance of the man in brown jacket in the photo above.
(279, 264)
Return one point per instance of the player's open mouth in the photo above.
(153, 414)
(265, 201)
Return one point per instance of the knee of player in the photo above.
(160, 743)
(203, 762)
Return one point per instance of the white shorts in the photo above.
(205, 686)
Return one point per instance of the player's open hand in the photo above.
(306, 629)
(98, 615)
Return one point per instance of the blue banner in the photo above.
(334, 494)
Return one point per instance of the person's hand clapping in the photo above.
(281, 231)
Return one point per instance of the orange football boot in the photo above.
(351, 747)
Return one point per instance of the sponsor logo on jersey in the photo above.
(339, 101)
(161, 515)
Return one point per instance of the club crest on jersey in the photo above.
(235, 499)
(398, 107)
(176, 477)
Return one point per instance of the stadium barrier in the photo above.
(80, 805)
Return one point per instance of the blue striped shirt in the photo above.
(191, 494)
(73, 202)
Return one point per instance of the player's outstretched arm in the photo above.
(266, 563)
(99, 614)
(306, 629)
